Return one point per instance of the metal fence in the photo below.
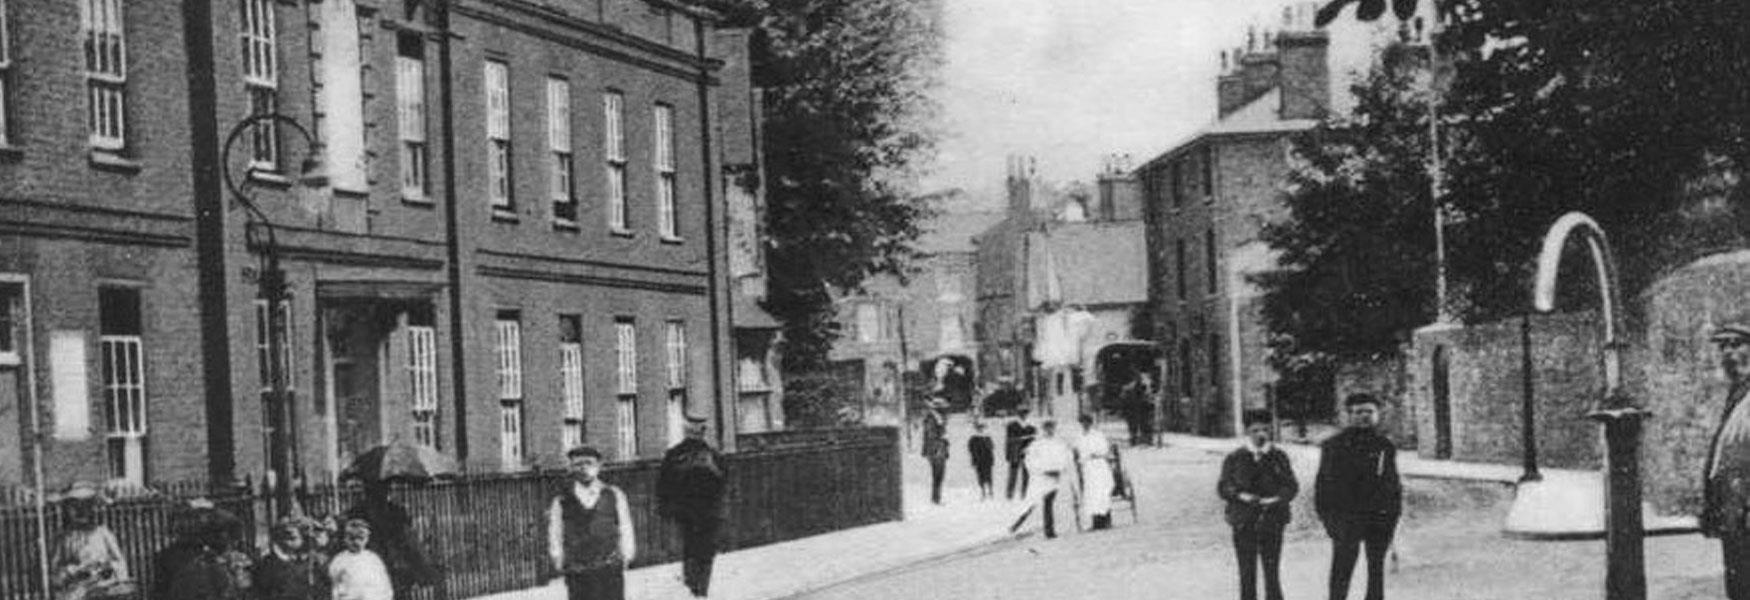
(486, 533)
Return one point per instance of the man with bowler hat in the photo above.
(589, 531)
(690, 491)
(1726, 479)
(936, 445)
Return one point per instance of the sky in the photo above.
(1070, 81)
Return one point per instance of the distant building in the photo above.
(1003, 329)
(922, 329)
(1206, 201)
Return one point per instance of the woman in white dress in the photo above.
(1094, 456)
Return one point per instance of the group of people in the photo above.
(206, 561)
(1357, 494)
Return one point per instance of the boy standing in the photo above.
(589, 531)
(1358, 496)
(1257, 481)
(356, 572)
(983, 453)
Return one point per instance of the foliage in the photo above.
(1358, 247)
(818, 399)
(846, 105)
(1633, 111)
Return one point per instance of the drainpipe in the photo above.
(209, 245)
(720, 310)
(452, 227)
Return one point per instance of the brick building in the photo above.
(933, 312)
(1206, 200)
(521, 244)
(1003, 331)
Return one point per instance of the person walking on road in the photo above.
(983, 453)
(1016, 437)
(690, 491)
(936, 446)
(589, 531)
(1094, 454)
(1726, 492)
(1358, 496)
(1047, 457)
(1257, 481)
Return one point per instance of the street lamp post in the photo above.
(273, 289)
(1626, 576)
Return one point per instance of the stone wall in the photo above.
(1485, 390)
(1673, 372)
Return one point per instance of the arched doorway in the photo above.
(1440, 380)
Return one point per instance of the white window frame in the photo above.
(614, 151)
(14, 316)
(662, 118)
(675, 343)
(262, 351)
(626, 385)
(104, 44)
(510, 389)
(410, 113)
(500, 186)
(561, 176)
(571, 380)
(422, 379)
(122, 371)
(5, 74)
(258, 35)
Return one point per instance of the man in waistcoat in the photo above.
(589, 531)
(690, 491)
(1727, 476)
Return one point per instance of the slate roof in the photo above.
(1097, 263)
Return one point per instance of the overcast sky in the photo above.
(1069, 81)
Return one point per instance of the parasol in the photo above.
(400, 461)
(200, 517)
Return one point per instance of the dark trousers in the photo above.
(1736, 547)
(938, 468)
(1347, 537)
(596, 584)
(698, 551)
(1017, 472)
(985, 488)
(1259, 543)
(1046, 505)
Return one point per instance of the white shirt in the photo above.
(360, 576)
(588, 495)
(1048, 454)
(1093, 446)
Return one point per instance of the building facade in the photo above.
(519, 245)
(1206, 201)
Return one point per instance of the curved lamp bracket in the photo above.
(1549, 261)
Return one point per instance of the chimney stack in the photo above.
(1020, 185)
(1303, 52)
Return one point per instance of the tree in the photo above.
(1357, 251)
(847, 108)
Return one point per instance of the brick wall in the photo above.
(1484, 380)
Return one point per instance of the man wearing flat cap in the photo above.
(589, 531)
(1727, 478)
(690, 491)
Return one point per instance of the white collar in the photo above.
(1260, 451)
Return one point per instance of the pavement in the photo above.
(1565, 505)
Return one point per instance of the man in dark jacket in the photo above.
(289, 570)
(1726, 474)
(690, 491)
(1016, 437)
(1358, 496)
(983, 454)
(1257, 482)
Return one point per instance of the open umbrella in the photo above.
(200, 517)
(400, 461)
